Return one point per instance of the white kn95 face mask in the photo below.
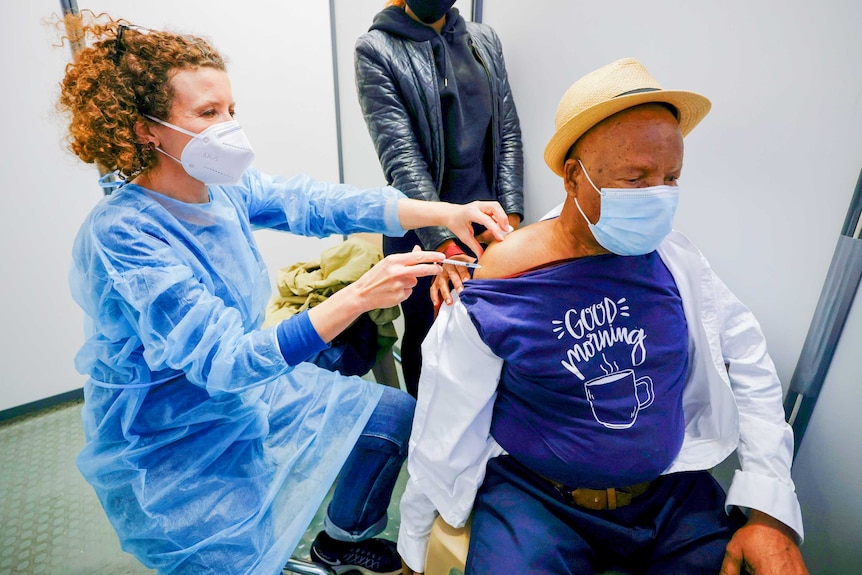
(217, 156)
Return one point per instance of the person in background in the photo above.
(436, 99)
(579, 391)
(209, 441)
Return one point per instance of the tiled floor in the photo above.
(50, 519)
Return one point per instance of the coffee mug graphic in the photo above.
(615, 398)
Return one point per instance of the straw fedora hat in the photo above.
(608, 90)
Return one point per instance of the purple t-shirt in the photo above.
(595, 356)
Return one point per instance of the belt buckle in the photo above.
(571, 499)
(568, 496)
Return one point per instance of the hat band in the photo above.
(637, 91)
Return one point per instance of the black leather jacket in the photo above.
(396, 80)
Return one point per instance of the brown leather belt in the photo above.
(600, 499)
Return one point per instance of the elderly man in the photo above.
(583, 384)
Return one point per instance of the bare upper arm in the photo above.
(512, 256)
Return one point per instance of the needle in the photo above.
(459, 263)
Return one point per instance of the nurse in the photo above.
(209, 442)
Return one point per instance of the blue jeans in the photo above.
(358, 507)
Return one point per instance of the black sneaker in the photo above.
(369, 557)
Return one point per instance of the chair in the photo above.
(447, 549)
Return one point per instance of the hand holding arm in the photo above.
(457, 275)
(514, 223)
(458, 218)
(763, 546)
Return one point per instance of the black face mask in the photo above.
(429, 11)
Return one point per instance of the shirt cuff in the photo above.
(413, 551)
(768, 495)
(298, 340)
(390, 212)
(417, 518)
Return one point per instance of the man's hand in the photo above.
(451, 275)
(763, 546)
(407, 570)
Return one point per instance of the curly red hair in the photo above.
(110, 85)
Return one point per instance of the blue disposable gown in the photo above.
(206, 449)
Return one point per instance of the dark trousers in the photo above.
(521, 524)
(418, 318)
(418, 314)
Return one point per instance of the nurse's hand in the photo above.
(459, 219)
(486, 237)
(386, 284)
(392, 280)
(487, 214)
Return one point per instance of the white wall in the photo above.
(828, 467)
(280, 65)
(361, 166)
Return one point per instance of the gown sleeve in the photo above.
(307, 207)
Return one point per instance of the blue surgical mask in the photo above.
(633, 221)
